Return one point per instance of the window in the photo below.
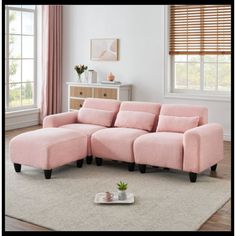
(200, 48)
(20, 57)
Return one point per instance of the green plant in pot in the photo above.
(121, 188)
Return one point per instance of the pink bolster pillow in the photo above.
(95, 116)
(176, 124)
(135, 119)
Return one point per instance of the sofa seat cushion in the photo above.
(85, 129)
(115, 143)
(164, 149)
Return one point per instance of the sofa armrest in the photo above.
(60, 119)
(203, 147)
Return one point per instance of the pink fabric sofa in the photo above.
(183, 140)
(96, 114)
(168, 135)
(133, 120)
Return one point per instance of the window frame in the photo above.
(6, 81)
(169, 80)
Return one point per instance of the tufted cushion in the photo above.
(177, 124)
(135, 119)
(95, 117)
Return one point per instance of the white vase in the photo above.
(84, 77)
(122, 195)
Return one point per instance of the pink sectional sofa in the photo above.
(164, 135)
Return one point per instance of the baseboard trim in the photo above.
(227, 137)
(22, 124)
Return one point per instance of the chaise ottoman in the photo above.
(48, 148)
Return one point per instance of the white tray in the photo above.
(99, 198)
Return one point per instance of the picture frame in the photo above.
(104, 49)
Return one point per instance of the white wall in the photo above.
(140, 30)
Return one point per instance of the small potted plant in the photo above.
(121, 187)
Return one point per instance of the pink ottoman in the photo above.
(48, 148)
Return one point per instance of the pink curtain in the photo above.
(51, 60)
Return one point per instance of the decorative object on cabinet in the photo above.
(110, 77)
(104, 49)
(80, 69)
(110, 82)
(77, 92)
(92, 76)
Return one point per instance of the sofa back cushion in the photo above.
(95, 117)
(182, 110)
(102, 104)
(132, 115)
(135, 119)
(176, 123)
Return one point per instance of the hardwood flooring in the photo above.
(219, 221)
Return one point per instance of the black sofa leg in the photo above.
(47, 174)
(17, 167)
(89, 159)
(131, 166)
(79, 163)
(192, 177)
(213, 168)
(142, 168)
(98, 161)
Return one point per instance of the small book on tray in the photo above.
(110, 82)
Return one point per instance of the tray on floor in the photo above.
(99, 198)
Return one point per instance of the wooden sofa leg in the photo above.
(213, 168)
(79, 163)
(47, 174)
(142, 168)
(98, 161)
(192, 177)
(89, 159)
(17, 167)
(131, 166)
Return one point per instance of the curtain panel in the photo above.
(51, 60)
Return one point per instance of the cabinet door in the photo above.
(82, 92)
(105, 93)
(76, 104)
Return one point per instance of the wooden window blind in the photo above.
(200, 29)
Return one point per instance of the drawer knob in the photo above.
(81, 93)
(104, 94)
(80, 105)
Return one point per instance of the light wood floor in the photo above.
(220, 221)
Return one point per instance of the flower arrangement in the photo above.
(80, 69)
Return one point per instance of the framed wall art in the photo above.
(104, 49)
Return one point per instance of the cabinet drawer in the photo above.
(76, 104)
(80, 92)
(105, 93)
